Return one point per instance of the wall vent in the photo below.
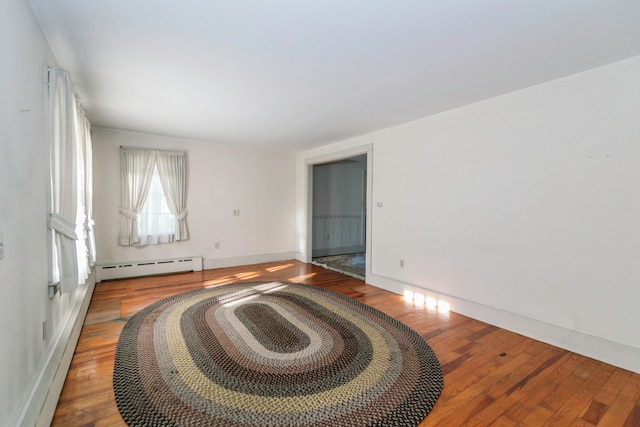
(124, 270)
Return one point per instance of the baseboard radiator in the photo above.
(124, 270)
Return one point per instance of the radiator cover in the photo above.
(122, 270)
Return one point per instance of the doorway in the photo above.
(338, 224)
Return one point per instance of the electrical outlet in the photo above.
(236, 212)
(217, 245)
(401, 263)
(1, 246)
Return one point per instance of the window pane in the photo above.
(156, 223)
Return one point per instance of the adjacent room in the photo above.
(469, 169)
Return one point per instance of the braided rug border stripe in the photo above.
(272, 354)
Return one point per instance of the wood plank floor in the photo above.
(492, 377)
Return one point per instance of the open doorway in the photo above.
(339, 200)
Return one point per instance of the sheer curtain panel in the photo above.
(136, 170)
(70, 183)
(81, 209)
(172, 170)
(88, 189)
(64, 180)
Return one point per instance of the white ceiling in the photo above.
(294, 74)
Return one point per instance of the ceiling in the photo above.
(290, 75)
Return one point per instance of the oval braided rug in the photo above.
(271, 354)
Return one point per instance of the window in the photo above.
(153, 199)
(156, 223)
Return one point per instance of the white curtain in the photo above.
(70, 183)
(82, 253)
(172, 170)
(136, 170)
(153, 206)
(88, 189)
(64, 180)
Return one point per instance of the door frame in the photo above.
(308, 207)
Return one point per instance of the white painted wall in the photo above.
(522, 210)
(261, 184)
(27, 360)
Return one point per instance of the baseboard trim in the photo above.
(338, 251)
(611, 352)
(210, 264)
(43, 399)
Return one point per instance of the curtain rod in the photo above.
(48, 69)
(151, 149)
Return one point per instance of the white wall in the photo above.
(27, 361)
(220, 179)
(522, 210)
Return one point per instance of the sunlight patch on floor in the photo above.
(248, 275)
(219, 281)
(301, 277)
(278, 268)
(419, 299)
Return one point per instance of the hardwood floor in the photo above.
(492, 377)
